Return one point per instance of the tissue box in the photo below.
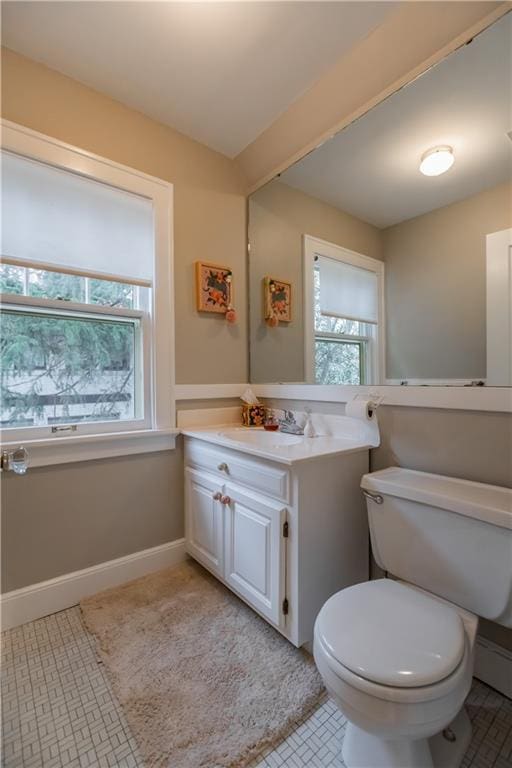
(253, 415)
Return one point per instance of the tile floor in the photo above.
(59, 711)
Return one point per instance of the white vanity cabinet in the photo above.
(283, 536)
(237, 535)
(204, 520)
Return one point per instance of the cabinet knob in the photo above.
(217, 496)
(223, 467)
(225, 500)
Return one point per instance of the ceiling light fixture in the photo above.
(436, 161)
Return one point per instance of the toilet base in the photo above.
(449, 754)
(362, 750)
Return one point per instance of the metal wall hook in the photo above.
(15, 461)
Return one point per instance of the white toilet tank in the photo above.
(449, 536)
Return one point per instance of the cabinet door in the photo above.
(254, 550)
(204, 514)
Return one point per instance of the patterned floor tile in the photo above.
(59, 711)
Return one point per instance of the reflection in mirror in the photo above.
(397, 277)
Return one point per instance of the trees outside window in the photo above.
(339, 359)
(66, 365)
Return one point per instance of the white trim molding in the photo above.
(494, 399)
(498, 255)
(38, 600)
(66, 450)
(455, 398)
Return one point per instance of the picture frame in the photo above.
(277, 296)
(214, 288)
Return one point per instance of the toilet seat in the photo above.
(390, 636)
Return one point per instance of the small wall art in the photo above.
(214, 289)
(277, 301)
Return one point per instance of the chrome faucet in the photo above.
(288, 424)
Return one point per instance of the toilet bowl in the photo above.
(400, 675)
(397, 654)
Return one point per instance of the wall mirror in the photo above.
(366, 269)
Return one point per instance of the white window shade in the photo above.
(58, 218)
(347, 291)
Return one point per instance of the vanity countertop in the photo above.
(276, 446)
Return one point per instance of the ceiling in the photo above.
(371, 169)
(220, 72)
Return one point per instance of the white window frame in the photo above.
(498, 257)
(156, 431)
(375, 359)
(143, 343)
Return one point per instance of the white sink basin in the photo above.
(260, 437)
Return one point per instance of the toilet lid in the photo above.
(392, 634)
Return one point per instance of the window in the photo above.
(341, 346)
(72, 365)
(85, 275)
(343, 299)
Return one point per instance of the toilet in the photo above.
(397, 654)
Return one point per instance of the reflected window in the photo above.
(339, 359)
(346, 318)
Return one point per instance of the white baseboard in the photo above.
(493, 665)
(38, 600)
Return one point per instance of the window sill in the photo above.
(65, 450)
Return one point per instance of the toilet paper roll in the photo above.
(360, 409)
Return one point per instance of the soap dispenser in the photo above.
(309, 430)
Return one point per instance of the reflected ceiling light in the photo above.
(436, 161)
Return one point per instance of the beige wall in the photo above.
(63, 518)
(209, 200)
(278, 218)
(407, 42)
(60, 519)
(435, 288)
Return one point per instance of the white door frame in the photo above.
(314, 246)
(498, 256)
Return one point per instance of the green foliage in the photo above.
(69, 358)
(11, 279)
(336, 362)
(111, 294)
(58, 285)
(54, 285)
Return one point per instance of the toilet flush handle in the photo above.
(376, 497)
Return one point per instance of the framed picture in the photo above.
(214, 288)
(277, 300)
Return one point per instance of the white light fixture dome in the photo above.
(436, 161)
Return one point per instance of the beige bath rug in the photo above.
(203, 681)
